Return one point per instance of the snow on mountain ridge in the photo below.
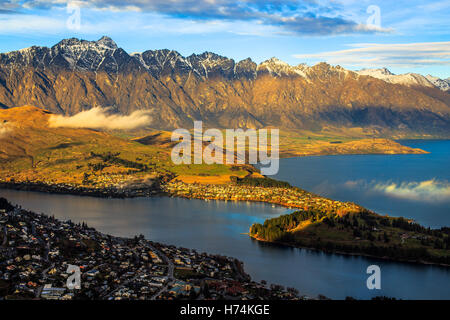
(443, 84)
(382, 71)
(407, 79)
(104, 54)
(86, 55)
(277, 67)
(71, 53)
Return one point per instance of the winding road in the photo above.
(170, 276)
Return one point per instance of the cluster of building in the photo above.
(45, 258)
(122, 190)
(285, 196)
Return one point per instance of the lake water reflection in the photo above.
(218, 227)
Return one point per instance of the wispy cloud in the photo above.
(294, 17)
(6, 11)
(99, 118)
(382, 55)
(15, 23)
(428, 190)
(9, 6)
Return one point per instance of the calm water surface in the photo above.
(388, 184)
(413, 186)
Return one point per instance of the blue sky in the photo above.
(404, 36)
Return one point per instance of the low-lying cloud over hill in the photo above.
(100, 118)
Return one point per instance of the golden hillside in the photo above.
(30, 150)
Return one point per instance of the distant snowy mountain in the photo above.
(443, 84)
(407, 79)
(377, 73)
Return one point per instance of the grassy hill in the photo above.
(31, 151)
(297, 143)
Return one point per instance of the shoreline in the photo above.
(82, 191)
(162, 262)
(153, 192)
(288, 155)
(120, 194)
(381, 146)
(385, 258)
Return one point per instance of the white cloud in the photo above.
(429, 190)
(95, 22)
(98, 118)
(17, 23)
(386, 55)
(291, 16)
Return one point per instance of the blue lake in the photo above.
(413, 186)
(409, 185)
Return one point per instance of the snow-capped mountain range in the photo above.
(75, 75)
(105, 55)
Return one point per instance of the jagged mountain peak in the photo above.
(246, 68)
(275, 60)
(73, 54)
(86, 55)
(322, 65)
(279, 68)
(168, 61)
(209, 55)
(209, 58)
(381, 71)
(209, 64)
(407, 79)
(162, 61)
(323, 68)
(386, 71)
(69, 42)
(107, 42)
(442, 84)
(247, 60)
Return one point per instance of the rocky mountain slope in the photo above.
(76, 75)
(443, 84)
